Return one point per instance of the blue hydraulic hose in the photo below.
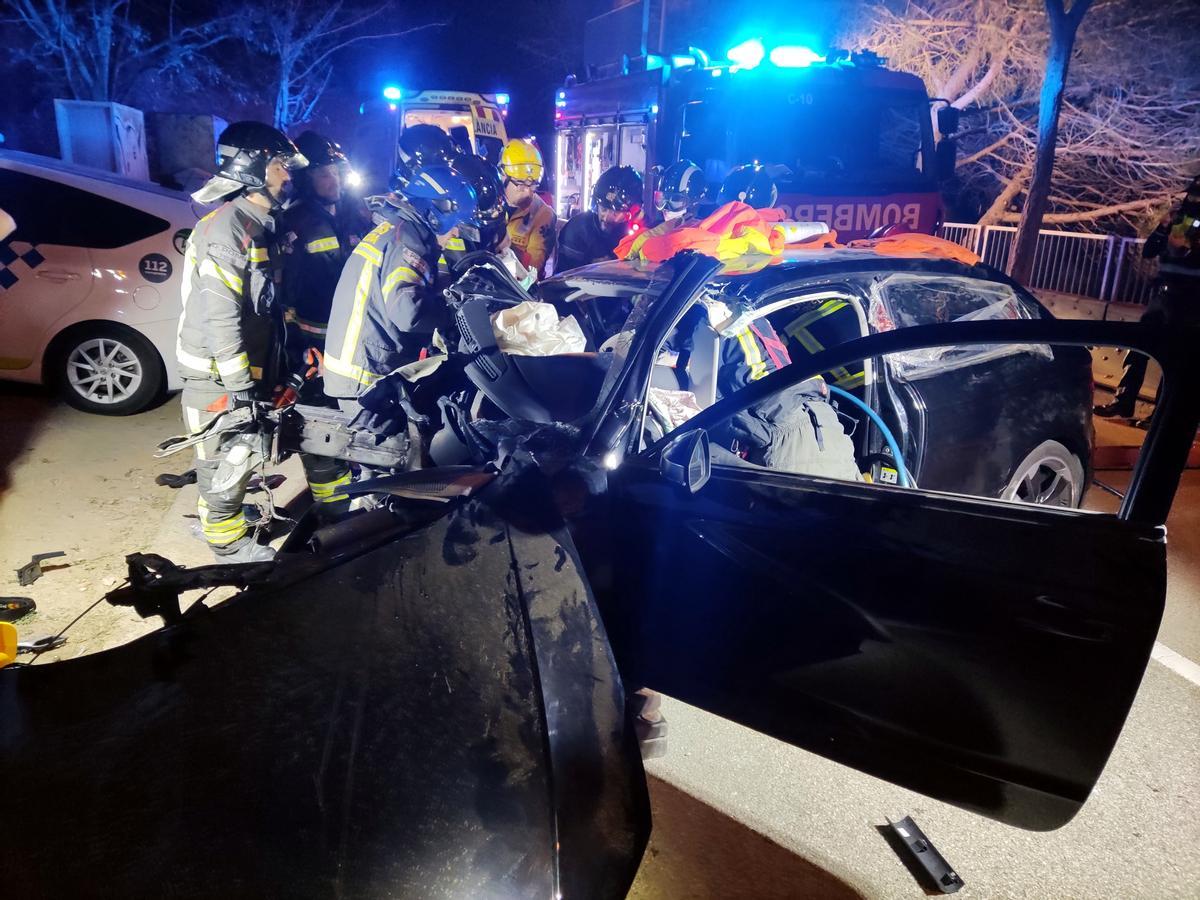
(901, 469)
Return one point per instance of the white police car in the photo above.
(89, 282)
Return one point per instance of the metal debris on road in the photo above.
(921, 850)
(32, 570)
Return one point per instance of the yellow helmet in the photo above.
(520, 160)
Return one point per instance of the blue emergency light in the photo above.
(795, 57)
(391, 92)
(747, 54)
(502, 99)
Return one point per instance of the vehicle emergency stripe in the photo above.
(758, 366)
(228, 367)
(322, 245)
(230, 280)
(325, 491)
(259, 254)
(400, 275)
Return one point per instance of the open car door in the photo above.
(985, 653)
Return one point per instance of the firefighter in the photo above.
(532, 224)
(388, 302)
(420, 146)
(320, 245)
(1176, 298)
(490, 212)
(793, 430)
(680, 191)
(592, 236)
(751, 185)
(230, 340)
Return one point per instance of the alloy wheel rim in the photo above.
(104, 371)
(1049, 481)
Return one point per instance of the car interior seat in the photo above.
(702, 366)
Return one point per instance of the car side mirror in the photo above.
(686, 460)
(945, 158)
(948, 120)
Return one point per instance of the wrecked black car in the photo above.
(1019, 428)
(430, 699)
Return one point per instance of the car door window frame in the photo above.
(93, 221)
(1151, 488)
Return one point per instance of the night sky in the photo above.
(525, 48)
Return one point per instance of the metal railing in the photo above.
(1104, 267)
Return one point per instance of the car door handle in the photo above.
(59, 276)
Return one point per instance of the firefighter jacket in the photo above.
(387, 303)
(532, 232)
(230, 329)
(750, 355)
(319, 249)
(583, 241)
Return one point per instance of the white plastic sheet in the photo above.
(534, 329)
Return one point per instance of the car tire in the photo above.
(1049, 475)
(108, 369)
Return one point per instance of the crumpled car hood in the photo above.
(436, 717)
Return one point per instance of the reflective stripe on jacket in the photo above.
(532, 232)
(386, 305)
(311, 271)
(229, 325)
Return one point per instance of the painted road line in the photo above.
(1176, 662)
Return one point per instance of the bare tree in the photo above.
(1129, 129)
(303, 39)
(1064, 26)
(100, 50)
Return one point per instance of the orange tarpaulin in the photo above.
(736, 230)
(732, 231)
(912, 244)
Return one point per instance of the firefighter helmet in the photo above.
(420, 146)
(680, 188)
(619, 188)
(444, 199)
(320, 150)
(520, 160)
(750, 185)
(490, 214)
(244, 150)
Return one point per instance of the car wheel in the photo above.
(1050, 475)
(109, 370)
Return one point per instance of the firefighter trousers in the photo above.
(222, 517)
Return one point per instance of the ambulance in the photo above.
(474, 121)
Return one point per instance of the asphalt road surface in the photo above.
(737, 814)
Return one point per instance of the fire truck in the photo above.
(848, 141)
